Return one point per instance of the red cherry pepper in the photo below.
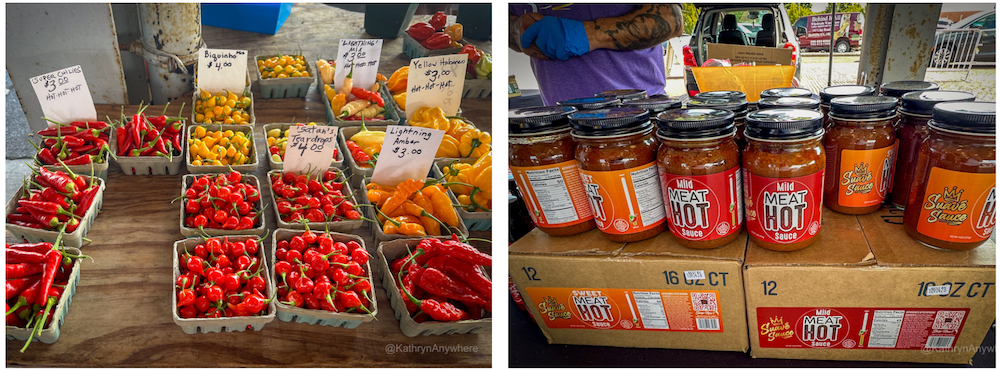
(420, 31)
(439, 40)
(438, 21)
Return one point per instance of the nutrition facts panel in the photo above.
(650, 308)
(648, 195)
(552, 195)
(885, 328)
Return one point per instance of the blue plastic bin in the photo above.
(260, 18)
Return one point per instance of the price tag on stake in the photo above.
(310, 149)
(64, 96)
(222, 70)
(436, 82)
(364, 54)
(407, 153)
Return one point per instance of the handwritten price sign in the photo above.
(364, 55)
(436, 82)
(407, 153)
(222, 69)
(310, 149)
(64, 96)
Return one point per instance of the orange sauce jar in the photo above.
(623, 95)
(617, 155)
(861, 153)
(544, 167)
(953, 202)
(783, 168)
(916, 109)
(836, 91)
(654, 105)
(699, 166)
(733, 101)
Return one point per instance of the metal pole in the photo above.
(833, 17)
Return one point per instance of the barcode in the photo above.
(939, 341)
(709, 324)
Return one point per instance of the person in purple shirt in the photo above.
(578, 50)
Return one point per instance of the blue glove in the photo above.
(557, 38)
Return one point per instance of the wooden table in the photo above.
(121, 312)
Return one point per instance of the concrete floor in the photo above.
(16, 171)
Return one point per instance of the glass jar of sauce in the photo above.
(654, 105)
(543, 164)
(783, 168)
(589, 103)
(861, 153)
(786, 93)
(788, 103)
(699, 166)
(831, 92)
(617, 155)
(623, 95)
(917, 108)
(896, 89)
(953, 202)
(735, 103)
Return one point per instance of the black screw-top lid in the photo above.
(785, 92)
(969, 117)
(695, 123)
(784, 124)
(739, 107)
(788, 103)
(654, 105)
(863, 107)
(722, 94)
(590, 102)
(610, 121)
(538, 119)
(831, 92)
(898, 88)
(624, 95)
(923, 102)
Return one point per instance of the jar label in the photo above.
(783, 210)
(623, 309)
(625, 201)
(865, 176)
(958, 206)
(553, 193)
(703, 207)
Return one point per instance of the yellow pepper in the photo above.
(370, 141)
(400, 100)
(474, 143)
(478, 167)
(337, 102)
(431, 118)
(397, 82)
(455, 31)
(448, 147)
(353, 107)
(458, 127)
(458, 173)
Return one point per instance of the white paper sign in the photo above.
(938, 290)
(310, 149)
(407, 153)
(694, 275)
(436, 82)
(64, 96)
(364, 54)
(222, 69)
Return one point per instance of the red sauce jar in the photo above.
(953, 202)
(916, 109)
(544, 167)
(733, 101)
(699, 166)
(831, 92)
(783, 169)
(861, 152)
(617, 155)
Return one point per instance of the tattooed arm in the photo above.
(644, 27)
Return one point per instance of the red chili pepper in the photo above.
(365, 94)
(439, 40)
(62, 183)
(38, 247)
(439, 311)
(99, 125)
(59, 131)
(17, 285)
(438, 21)
(46, 156)
(436, 282)
(420, 31)
(52, 260)
(462, 251)
(88, 199)
(79, 160)
(470, 274)
(18, 256)
(138, 120)
(44, 207)
(27, 296)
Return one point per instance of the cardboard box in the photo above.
(740, 54)
(587, 290)
(868, 292)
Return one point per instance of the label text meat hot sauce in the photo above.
(783, 169)
(861, 152)
(617, 155)
(953, 202)
(699, 164)
(544, 166)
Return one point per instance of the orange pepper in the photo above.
(402, 193)
(443, 210)
(397, 82)
(376, 196)
(379, 77)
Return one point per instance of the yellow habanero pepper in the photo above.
(458, 127)
(368, 140)
(448, 147)
(397, 81)
(400, 100)
(456, 31)
(337, 102)
(431, 118)
(474, 143)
